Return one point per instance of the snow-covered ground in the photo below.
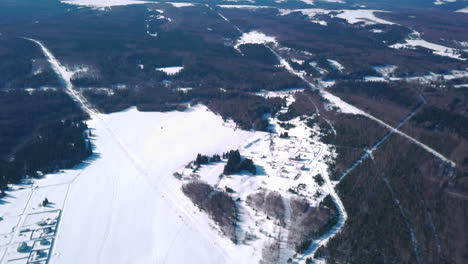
(106, 4)
(103, 4)
(171, 70)
(255, 37)
(124, 205)
(181, 4)
(415, 40)
(385, 71)
(366, 16)
(431, 77)
(441, 2)
(244, 6)
(336, 65)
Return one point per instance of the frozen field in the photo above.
(124, 205)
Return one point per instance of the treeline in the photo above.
(302, 106)
(203, 159)
(435, 118)
(42, 131)
(217, 204)
(58, 145)
(245, 109)
(259, 53)
(400, 93)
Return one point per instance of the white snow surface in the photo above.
(244, 6)
(171, 70)
(102, 4)
(441, 2)
(436, 48)
(385, 71)
(310, 13)
(365, 16)
(255, 37)
(336, 65)
(181, 4)
(125, 206)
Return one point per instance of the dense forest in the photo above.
(23, 66)
(40, 132)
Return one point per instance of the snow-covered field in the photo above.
(124, 205)
(415, 40)
(431, 77)
(103, 4)
(171, 70)
(255, 37)
(365, 16)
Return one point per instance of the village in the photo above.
(290, 164)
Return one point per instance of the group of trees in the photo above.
(400, 93)
(217, 204)
(236, 164)
(203, 159)
(435, 118)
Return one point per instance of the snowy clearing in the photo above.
(102, 5)
(415, 40)
(422, 79)
(385, 71)
(336, 65)
(441, 2)
(181, 4)
(365, 16)
(171, 70)
(255, 37)
(244, 6)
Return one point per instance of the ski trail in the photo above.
(374, 147)
(284, 251)
(65, 77)
(414, 241)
